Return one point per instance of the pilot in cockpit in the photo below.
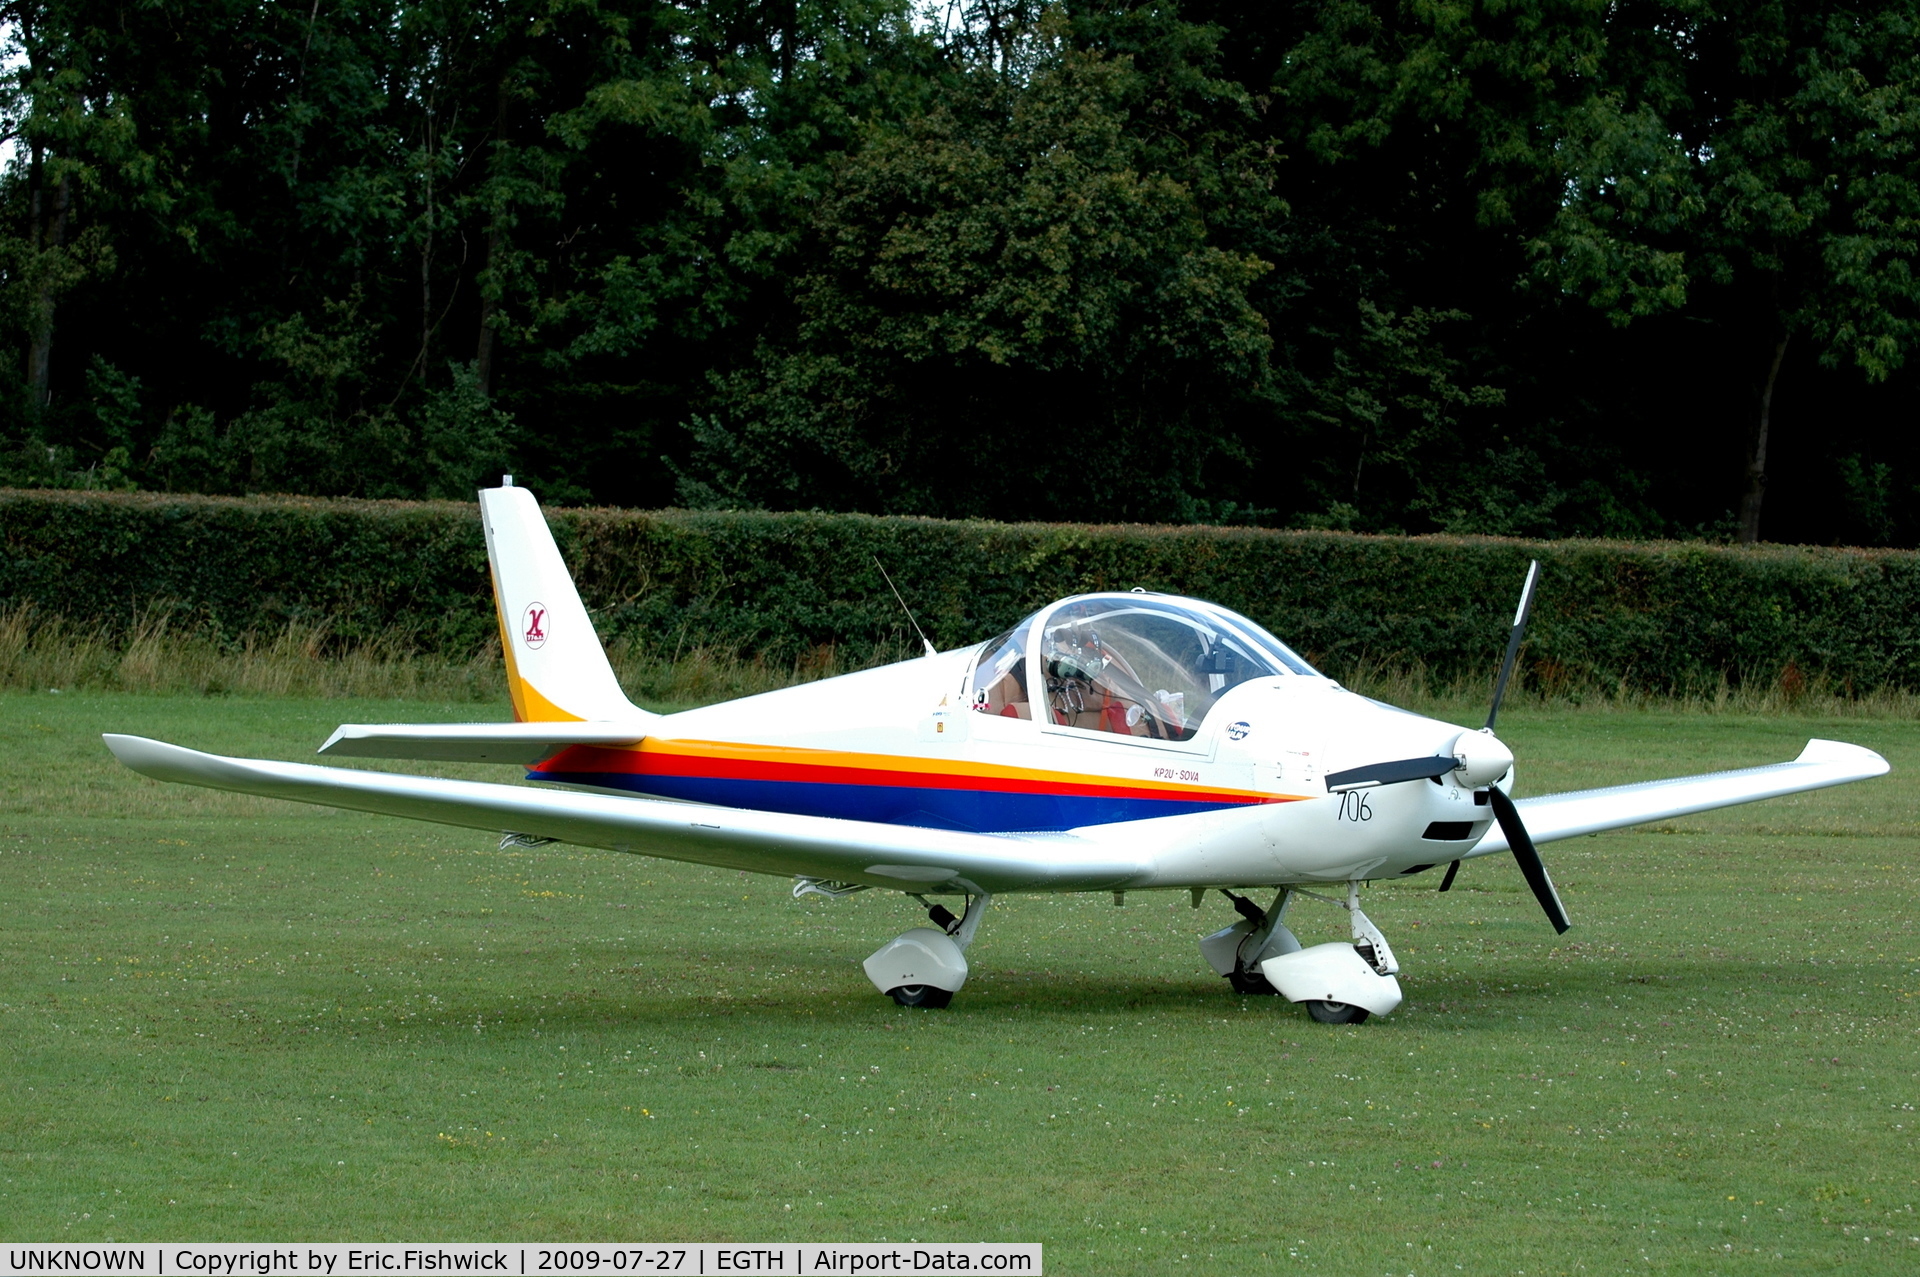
(1092, 683)
(1128, 666)
(1141, 669)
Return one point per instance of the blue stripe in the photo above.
(971, 810)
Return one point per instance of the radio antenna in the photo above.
(903, 607)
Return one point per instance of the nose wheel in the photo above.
(1324, 1012)
(925, 995)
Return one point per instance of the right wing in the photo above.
(523, 743)
(1591, 811)
(903, 857)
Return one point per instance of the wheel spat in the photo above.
(1531, 866)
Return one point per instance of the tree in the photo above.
(1008, 304)
(1410, 375)
(80, 160)
(1508, 264)
(1756, 164)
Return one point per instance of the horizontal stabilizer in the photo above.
(1590, 811)
(522, 743)
(904, 857)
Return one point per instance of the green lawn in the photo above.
(230, 1019)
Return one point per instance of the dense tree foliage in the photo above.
(1556, 269)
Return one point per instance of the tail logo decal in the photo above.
(533, 625)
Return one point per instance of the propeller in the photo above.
(1393, 773)
(1531, 866)
(1478, 758)
(1520, 615)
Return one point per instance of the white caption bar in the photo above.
(519, 1259)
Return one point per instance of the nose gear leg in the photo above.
(1367, 940)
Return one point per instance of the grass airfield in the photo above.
(230, 1019)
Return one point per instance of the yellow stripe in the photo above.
(543, 710)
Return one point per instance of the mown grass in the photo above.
(230, 1019)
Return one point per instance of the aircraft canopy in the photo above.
(1131, 664)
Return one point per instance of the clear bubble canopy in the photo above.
(1131, 664)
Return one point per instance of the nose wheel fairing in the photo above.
(1332, 972)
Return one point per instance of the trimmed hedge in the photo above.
(1660, 616)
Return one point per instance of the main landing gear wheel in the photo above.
(1237, 951)
(926, 966)
(925, 995)
(1250, 982)
(1336, 1012)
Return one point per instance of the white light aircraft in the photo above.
(1106, 743)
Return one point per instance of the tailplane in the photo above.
(557, 671)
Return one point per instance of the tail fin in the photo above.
(556, 669)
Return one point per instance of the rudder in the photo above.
(556, 669)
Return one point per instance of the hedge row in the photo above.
(1660, 616)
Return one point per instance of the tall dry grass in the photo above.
(1465, 699)
(162, 654)
(701, 675)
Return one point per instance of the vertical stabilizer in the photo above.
(556, 669)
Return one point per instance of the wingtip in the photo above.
(133, 752)
(1859, 757)
(153, 758)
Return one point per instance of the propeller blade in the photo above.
(1531, 866)
(1446, 883)
(1391, 773)
(1520, 615)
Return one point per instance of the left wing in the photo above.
(904, 857)
(1591, 811)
